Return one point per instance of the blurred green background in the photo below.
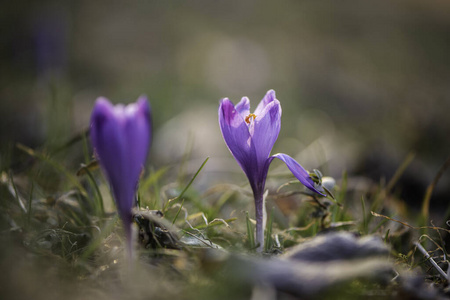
(361, 83)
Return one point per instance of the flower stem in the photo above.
(260, 220)
(127, 223)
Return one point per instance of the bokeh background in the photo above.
(361, 83)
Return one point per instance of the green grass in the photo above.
(64, 236)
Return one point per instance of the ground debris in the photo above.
(338, 246)
(154, 230)
(337, 263)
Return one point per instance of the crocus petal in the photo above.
(266, 128)
(137, 129)
(243, 107)
(269, 97)
(108, 150)
(299, 172)
(237, 137)
(121, 137)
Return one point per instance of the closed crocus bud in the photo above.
(121, 138)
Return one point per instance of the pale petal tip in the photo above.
(226, 104)
(143, 104)
(224, 100)
(102, 101)
(142, 98)
(102, 107)
(270, 95)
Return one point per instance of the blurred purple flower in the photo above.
(250, 138)
(121, 137)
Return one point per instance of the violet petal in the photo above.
(299, 172)
(237, 137)
(121, 138)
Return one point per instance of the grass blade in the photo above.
(364, 224)
(187, 186)
(152, 178)
(429, 191)
(178, 212)
(250, 233)
(268, 240)
(85, 170)
(16, 194)
(340, 198)
(29, 204)
(107, 229)
(73, 179)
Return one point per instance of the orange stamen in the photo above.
(247, 118)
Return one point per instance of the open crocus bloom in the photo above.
(121, 137)
(250, 138)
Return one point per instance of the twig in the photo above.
(431, 260)
(407, 225)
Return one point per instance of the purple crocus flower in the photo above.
(250, 138)
(121, 137)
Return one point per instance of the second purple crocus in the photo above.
(121, 138)
(250, 138)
